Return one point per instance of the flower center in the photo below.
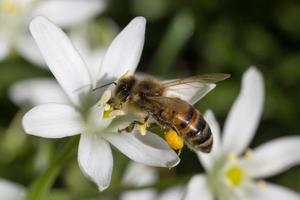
(109, 111)
(235, 175)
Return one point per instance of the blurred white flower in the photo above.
(79, 113)
(15, 16)
(229, 175)
(11, 191)
(140, 175)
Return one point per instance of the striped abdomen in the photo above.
(194, 129)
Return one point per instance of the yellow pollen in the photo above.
(106, 113)
(232, 158)
(9, 6)
(261, 184)
(235, 175)
(248, 154)
(175, 141)
(143, 128)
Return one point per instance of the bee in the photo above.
(157, 100)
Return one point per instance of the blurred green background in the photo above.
(182, 38)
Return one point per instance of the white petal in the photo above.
(273, 192)
(174, 193)
(243, 118)
(149, 149)
(95, 159)
(37, 91)
(52, 121)
(92, 56)
(4, 47)
(11, 191)
(137, 174)
(274, 157)
(62, 59)
(144, 194)
(208, 159)
(69, 12)
(124, 52)
(29, 50)
(191, 92)
(197, 187)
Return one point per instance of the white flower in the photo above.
(36, 91)
(81, 115)
(229, 175)
(140, 175)
(11, 191)
(15, 16)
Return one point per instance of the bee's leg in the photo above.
(133, 124)
(178, 152)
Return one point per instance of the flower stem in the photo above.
(40, 187)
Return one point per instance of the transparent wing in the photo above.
(194, 88)
(205, 78)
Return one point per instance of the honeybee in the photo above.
(157, 100)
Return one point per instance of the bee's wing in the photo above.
(193, 88)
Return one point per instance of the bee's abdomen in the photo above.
(194, 129)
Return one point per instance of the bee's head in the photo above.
(123, 89)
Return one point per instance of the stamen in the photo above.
(105, 98)
(232, 158)
(107, 113)
(108, 109)
(261, 184)
(175, 141)
(142, 129)
(248, 154)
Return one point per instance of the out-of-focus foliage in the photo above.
(182, 38)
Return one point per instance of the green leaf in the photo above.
(41, 186)
(178, 33)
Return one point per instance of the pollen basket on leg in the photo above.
(175, 141)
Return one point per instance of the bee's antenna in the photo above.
(96, 88)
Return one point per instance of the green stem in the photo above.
(40, 187)
(177, 35)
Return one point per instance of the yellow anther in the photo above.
(261, 184)
(107, 113)
(175, 141)
(233, 158)
(248, 154)
(107, 107)
(143, 129)
(105, 97)
(235, 175)
(103, 102)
